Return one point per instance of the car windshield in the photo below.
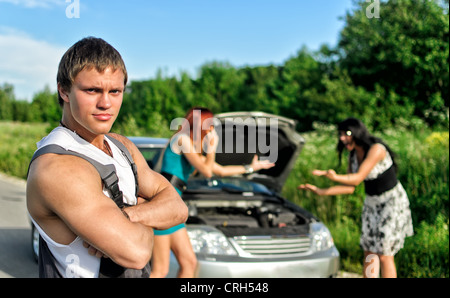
(228, 184)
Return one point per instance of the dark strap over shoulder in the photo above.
(107, 172)
(108, 268)
(128, 156)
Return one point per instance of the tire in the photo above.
(34, 242)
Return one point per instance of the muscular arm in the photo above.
(163, 207)
(65, 197)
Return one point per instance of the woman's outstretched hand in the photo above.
(260, 164)
(330, 174)
(311, 187)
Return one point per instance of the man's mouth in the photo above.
(103, 117)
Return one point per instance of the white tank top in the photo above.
(73, 260)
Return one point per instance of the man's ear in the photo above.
(63, 93)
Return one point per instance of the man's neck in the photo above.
(96, 140)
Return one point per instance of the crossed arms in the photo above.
(65, 197)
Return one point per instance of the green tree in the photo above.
(299, 77)
(257, 89)
(152, 103)
(218, 86)
(6, 101)
(405, 52)
(45, 107)
(21, 111)
(185, 91)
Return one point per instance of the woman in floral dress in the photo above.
(386, 216)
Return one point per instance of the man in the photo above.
(79, 224)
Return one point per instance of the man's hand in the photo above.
(94, 251)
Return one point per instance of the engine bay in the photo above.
(249, 215)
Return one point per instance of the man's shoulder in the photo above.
(122, 139)
(51, 167)
(129, 145)
(117, 136)
(55, 178)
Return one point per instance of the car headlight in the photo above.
(208, 240)
(321, 238)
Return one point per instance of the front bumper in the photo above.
(318, 265)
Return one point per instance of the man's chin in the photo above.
(103, 127)
(100, 129)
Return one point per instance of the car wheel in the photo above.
(35, 242)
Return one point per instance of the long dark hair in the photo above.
(361, 137)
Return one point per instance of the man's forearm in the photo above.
(163, 211)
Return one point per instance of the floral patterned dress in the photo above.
(386, 218)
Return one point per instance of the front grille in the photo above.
(266, 246)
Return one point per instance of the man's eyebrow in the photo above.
(99, 87)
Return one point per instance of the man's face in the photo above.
(94, 101)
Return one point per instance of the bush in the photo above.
(426, 253)
(17, 145)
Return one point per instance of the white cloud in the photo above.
(35, 3)
(26, 63)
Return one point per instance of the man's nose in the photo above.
(104, 101)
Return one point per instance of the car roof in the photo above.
(148, 141)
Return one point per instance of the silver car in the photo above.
(241, 226)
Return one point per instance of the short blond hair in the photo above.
(89, 52)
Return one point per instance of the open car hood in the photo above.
(272, 137)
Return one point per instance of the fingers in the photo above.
(319, 172)
(301, 186)
(307, 187)
(93, 251)
(265, 164)
(261, 164)
(312, 188)
(328, 173)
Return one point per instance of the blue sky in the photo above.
(170, 35)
